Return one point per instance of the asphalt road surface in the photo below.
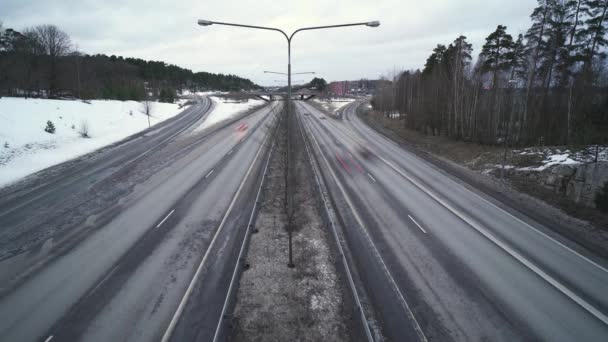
(138, 241)
(171, 197)
(442, 261)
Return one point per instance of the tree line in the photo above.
(547, 86)
(41, 61)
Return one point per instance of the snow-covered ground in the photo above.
(26, 148)
(186, 92)
(334, 104)
(224, 109)
(549, 156)
(538, 159)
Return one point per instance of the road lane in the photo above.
(31, 309)
(473, 287)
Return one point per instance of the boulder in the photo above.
(563, 170)
(587, 180)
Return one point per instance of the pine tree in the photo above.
(461, 58)
(518, 58)
(498, 52)
(50, 127)
(553, 53)
(593, 37)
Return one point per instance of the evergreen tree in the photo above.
(318, 83)
(50, 127)
(518, 58)
(593, 37)
(499, 53)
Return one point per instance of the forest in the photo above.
(41, 62)
(547, 86)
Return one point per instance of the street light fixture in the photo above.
(289, 176)
(293, 73)
(205, 22)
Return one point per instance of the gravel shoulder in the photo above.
(308, 302)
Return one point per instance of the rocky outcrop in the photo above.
(579, 182)
(587, 180)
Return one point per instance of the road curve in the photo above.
(125, 279)
(465, 266)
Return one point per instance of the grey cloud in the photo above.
(166, 30)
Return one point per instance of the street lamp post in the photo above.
(289, 175)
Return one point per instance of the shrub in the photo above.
(84, 129)
(601, 198)
(50, 127)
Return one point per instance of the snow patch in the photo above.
(553, 156)
(334, 104)
(225, 109)
(26, 148)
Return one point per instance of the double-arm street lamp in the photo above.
(290, 164)
(283, 81)
(293, 73)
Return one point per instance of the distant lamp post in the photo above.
(293, 73)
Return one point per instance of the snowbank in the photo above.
(26, 148)
(334, 104)
(225, 109)
(555, 156)
(186, 92)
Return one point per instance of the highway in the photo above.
(442, 261)
(169, 204)
(139, 241)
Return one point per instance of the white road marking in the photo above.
(243, 245)
(372, 177)
(601, 267)
(326, 201)
(210, 173)
(229, 152)
(531, 266)
(197, 274)
(511, 251)
(411, 218)
(48, 339)
(165, 219)
(407, 308)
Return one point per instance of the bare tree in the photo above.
(147, 107)
(83, 130)
(49, 40)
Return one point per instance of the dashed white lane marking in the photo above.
(210, 173)
(48, 339)
(407, 308)
(411, 218)
(372, 177)
(229, 152)
(165, 219)
(199, 270)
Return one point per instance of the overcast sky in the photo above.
(166, 30)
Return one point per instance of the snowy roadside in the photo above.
(225, 109)
(546, 157)
(26, 148)
(334, 104)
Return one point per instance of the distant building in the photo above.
(359, 87)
